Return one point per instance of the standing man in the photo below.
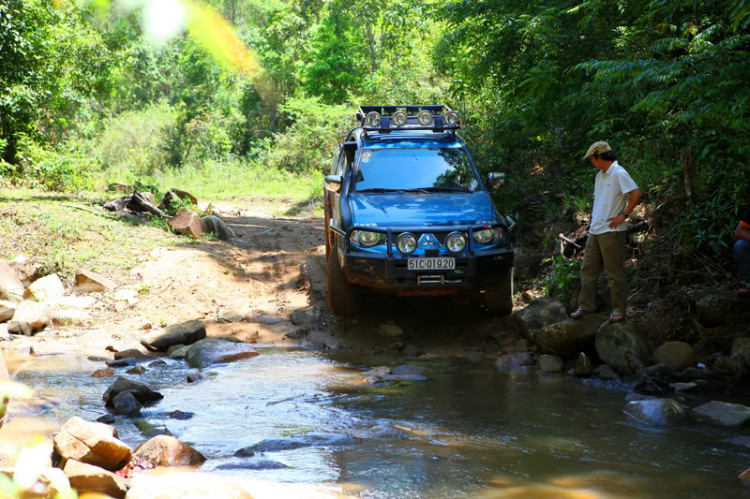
(605, 246)
(742, 251)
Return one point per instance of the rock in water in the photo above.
(165, 450)
(723, 413)
(568, 337)
(583, 368)
(550, 363)
(514, 360)
(185, 333)
(126, 404)
(676, 354)
(216, 351)
(91, 443)
(87, 478)
(540, 313)
(143, 393)
(622, 347)
(657, 412)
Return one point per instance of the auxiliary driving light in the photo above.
(456, 242)
(425, 118)
(451, 118)
(373, 119)
(406, 243)
(484, 236)
(399, 118)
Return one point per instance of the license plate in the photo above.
(432, 263)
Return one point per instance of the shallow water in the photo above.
(466, 431)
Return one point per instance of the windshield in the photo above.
(433, 169)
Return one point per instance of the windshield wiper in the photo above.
(380, 189)
(444, 189)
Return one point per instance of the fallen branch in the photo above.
(139, 203)
(569, 241)
(89, 210)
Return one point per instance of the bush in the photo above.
(65, 168)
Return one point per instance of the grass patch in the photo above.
(62, 239)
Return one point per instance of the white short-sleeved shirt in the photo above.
(610, 198)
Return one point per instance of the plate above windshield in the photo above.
(420, 170)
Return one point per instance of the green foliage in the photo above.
(559, 280)
(64, 168)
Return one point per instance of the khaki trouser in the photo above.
(604, 250)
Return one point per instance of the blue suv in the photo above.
(406, 212)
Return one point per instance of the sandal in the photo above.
(745, 292)
(578, 313)
(615, 317)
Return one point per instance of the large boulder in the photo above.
(189, 223)
(87, 478)
(569, 337)
(11, 287)
(7, 309)
(91, 443)
(622, 347)
(676, 354)
(185, 333)
(717, 308)
(37, 315)
(179, 485)
(91, 282)
(538, 314)
(723, 413)
(165, 450)
(141, 392)
(657, 412)
(47, 288)
(217, 351)
(125, 404)
(218, 228)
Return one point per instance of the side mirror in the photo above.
(333, 182)
(495, 180)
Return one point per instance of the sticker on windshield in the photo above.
(365, 160)
(366, 154)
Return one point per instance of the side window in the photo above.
(335, 169)
(343, 163)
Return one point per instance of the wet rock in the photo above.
(125, 404)
(408, 369)
(657, 412)
(386, 432)
(683, 387)
(716, 308)
(676, 354)
(37, 315)
(46, 288)
(150, 430)
(296, 442)
(538, 314)
(404, 377)
(56, 483)
(412, 350)
(622, 347)
(652, 386)
(604, 372)
(69, 317)
(740, 349)
(91, 443)
(106, 419)
(550, 363)
(583, 367)
(306, 318)
(192, 485)
(138, 370)
(390, 330)
(20, 328)
(723, 413)
(185, 333)
(165, 450)
(131, 353)
(218, 228)
(568, 337)
(121, 363)
(157, 363)
(97, 358)
(216, 351)
(257, 463)
(521, 346)
(299, 333)
(143, 393)
(633, 396)
(7, 309)
(87, 478)
(179, 353)
(11, 287)
(743, 441)
(378, 371)
(103, 373)
(514, 360)
(195, 377)
(91, 282)
(180, 415)
(188, 223)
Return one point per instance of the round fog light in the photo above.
(373, 119)
(455, 242)
(451, 118)
(399, 118)
(425, 118)
(406, 243)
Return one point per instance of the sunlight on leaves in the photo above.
(31, 462)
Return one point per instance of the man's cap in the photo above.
(597, 148)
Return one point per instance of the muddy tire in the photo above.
(342, 296)
(498, 299)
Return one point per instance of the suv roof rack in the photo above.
(385, 119)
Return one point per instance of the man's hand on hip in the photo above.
(614, 222)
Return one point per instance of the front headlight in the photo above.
(455, 242)
(406, 243)
(484, 236)
(365, 238)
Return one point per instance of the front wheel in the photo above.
(342, 296)
(498, 298)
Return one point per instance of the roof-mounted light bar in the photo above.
(385, 119)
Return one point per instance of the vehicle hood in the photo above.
(414, 209)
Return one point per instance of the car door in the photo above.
(331, 199)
